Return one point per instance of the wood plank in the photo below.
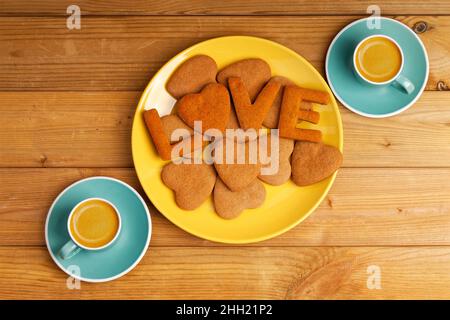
(123, 53)
(364, 207)
(418, 137)
(242, 273)
(67, 129)
(93, 129)
(229, 7)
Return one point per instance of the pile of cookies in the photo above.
(242, 96)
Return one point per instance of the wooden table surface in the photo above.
(67, 98)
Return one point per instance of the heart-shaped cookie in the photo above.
(282, 175)
(211, 106)
(192, 75)
(186, 142)
(313, 162)
(229, 204)
(192, 183)
(253, 72)
(171, 123)
(237, 163)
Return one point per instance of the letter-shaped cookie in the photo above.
(156, 129)
(312, 95)
(254, 73)
(289, 115)
(161, 130)
(271, 120)
(252, 115)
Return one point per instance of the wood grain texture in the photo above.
(241, 273)
(123, 53)
(67, 100)
(229, 7)
(66, 129)
(93, 129)
(365, 207)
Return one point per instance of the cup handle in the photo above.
(68, 250)
(404, 83)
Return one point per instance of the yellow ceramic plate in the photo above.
(285, 206)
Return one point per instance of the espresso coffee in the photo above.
(94, 223)
(378, 59)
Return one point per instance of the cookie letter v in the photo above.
(252, 115)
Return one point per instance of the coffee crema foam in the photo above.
(378, 59)
(94, 223)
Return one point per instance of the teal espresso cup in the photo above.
(378, 61)
(93, 224)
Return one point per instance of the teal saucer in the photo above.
(124, 254)
(369, 101)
